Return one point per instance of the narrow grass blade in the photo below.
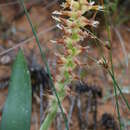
(45, 61)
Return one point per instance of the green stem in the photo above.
(112, 75)
(45, 61)
(115, 82)
(52, 112)
(116, 97)
(50, 117)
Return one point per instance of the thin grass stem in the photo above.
(46, 64)
(112, 72)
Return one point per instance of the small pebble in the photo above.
(5, 60)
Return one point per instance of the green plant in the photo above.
(17, 110)
(111, 68)
(72, 23)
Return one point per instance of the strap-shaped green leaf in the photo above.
(17, 110)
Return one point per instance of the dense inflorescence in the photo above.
(72, 22)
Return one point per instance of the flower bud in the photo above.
(103, 62)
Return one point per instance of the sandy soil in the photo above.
(44, 24)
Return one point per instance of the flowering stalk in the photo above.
(71, 21)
